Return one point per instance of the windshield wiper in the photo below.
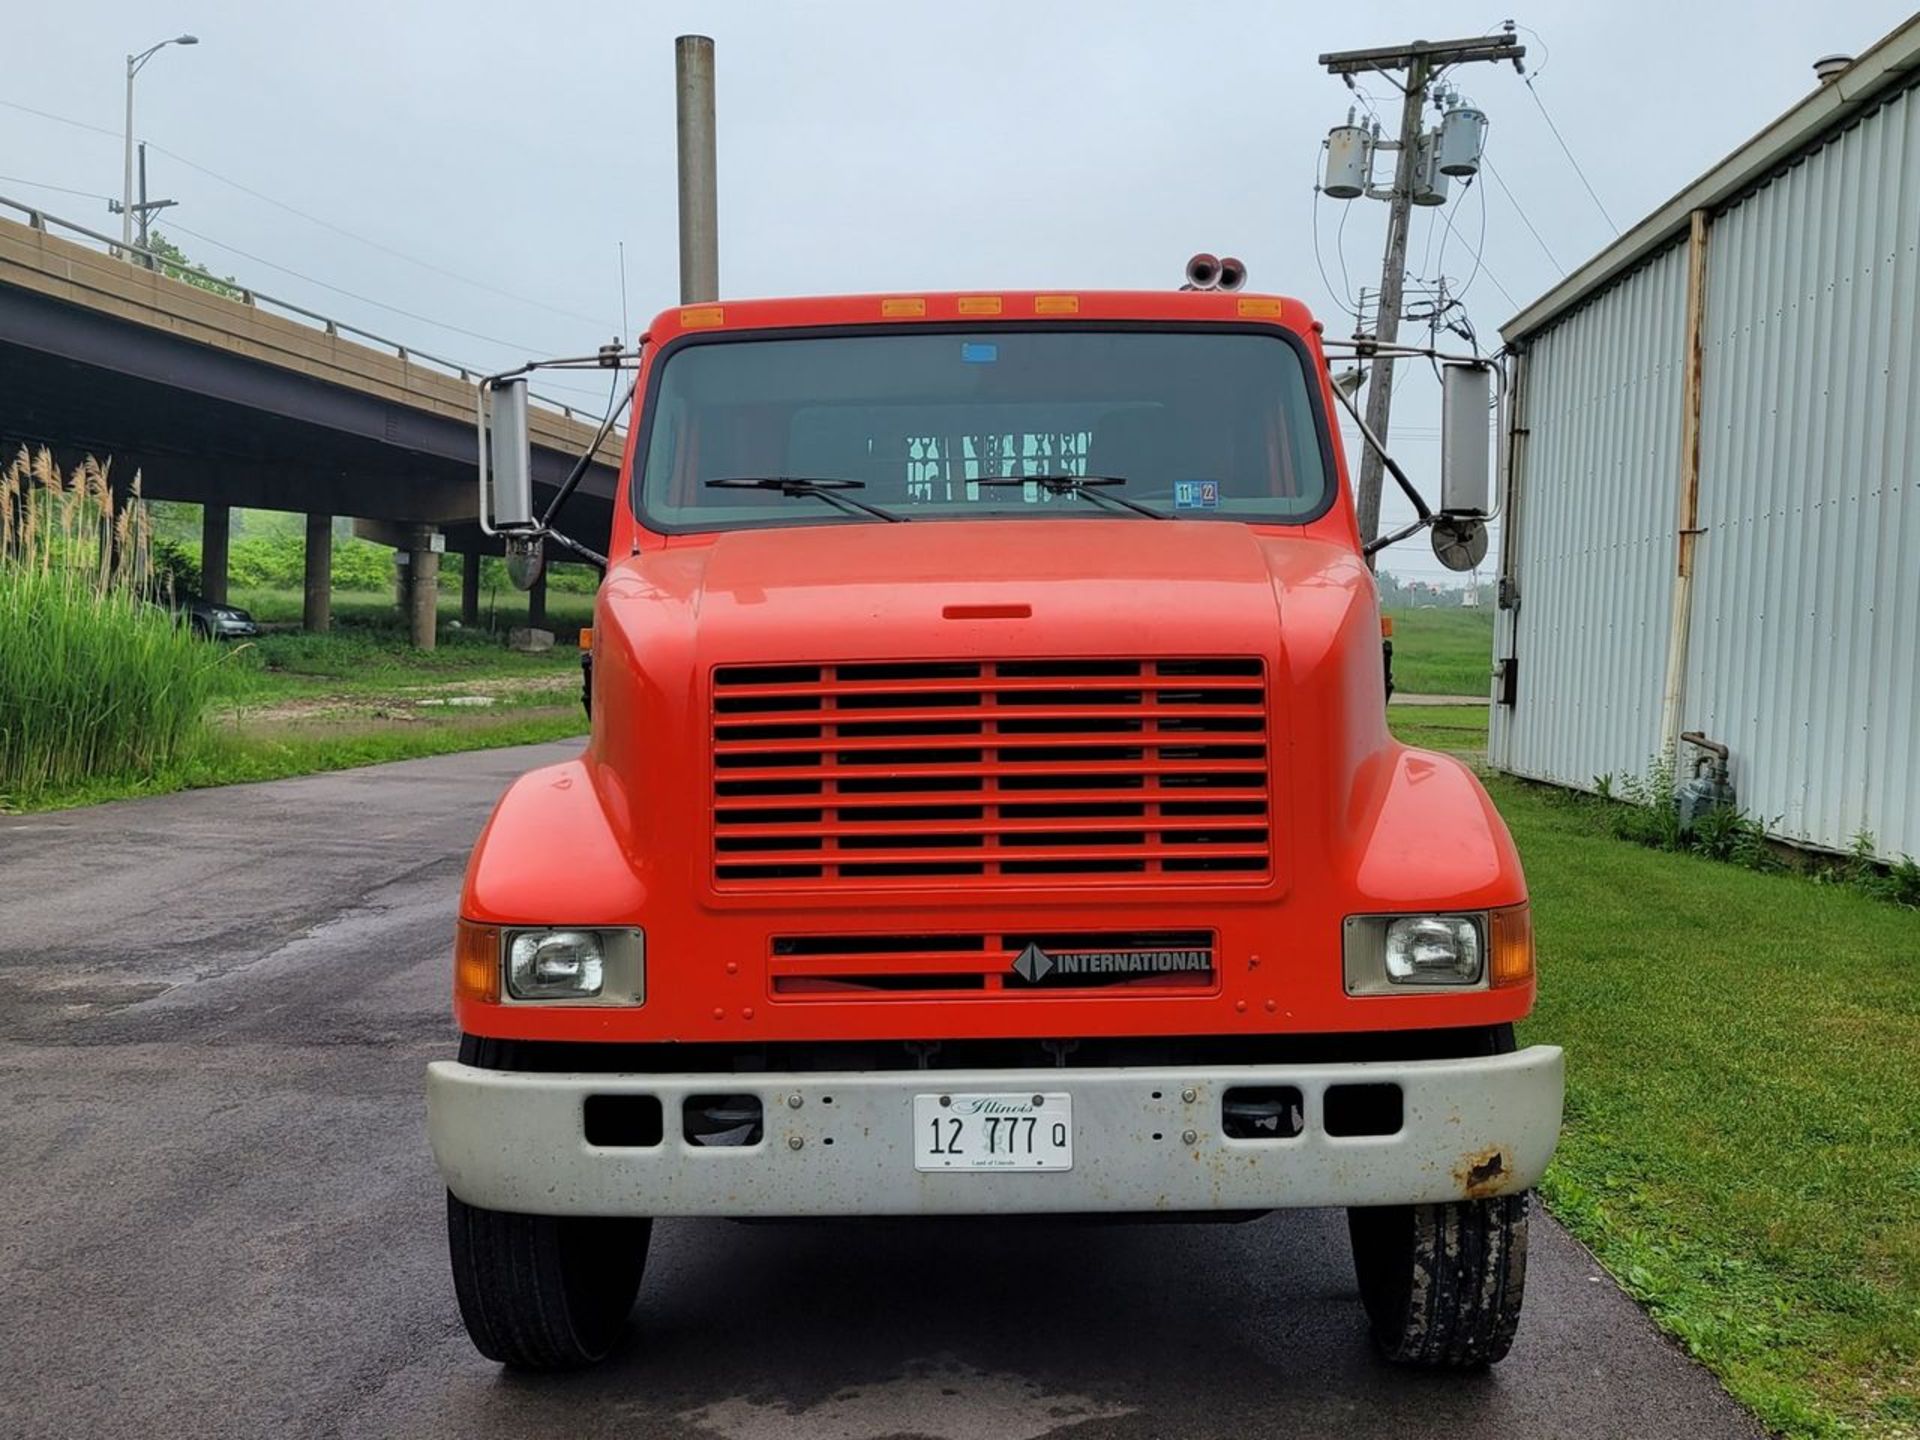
(825, 488)
(1087, 487)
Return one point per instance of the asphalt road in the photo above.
(218, 1215)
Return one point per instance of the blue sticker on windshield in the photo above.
(1196, 494)
(977, 352)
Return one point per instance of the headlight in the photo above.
(576, 964)
(1433, 950)
(555, 964)
(1398, 954)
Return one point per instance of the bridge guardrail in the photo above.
(39, 219)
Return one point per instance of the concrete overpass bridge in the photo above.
(246, 400)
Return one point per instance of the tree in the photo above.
(175, 265)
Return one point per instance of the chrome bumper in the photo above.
(1470, 1128)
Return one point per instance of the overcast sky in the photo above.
(863, 146)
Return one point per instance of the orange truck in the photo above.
(989, 810)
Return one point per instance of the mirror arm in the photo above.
(594, 556)
(480, 395)
(1381, 542)
(1393, 468)
(580, 467)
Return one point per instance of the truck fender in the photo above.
(1428, 837)
(549, 854)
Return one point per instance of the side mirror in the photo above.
(1466, 454)
(526, 560)
(506, 459)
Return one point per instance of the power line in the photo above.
(1318, 263)
(1480, 241)
(1524, 220)
(1479, 254)
(372, 244)
(62, 119)
(1345, 297)
(295, 210)
(1426, 253)
(351, 294)
(1594, 195)
(57, 189)
(1346, 285)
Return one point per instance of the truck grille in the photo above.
(923, 967)
(989, 772)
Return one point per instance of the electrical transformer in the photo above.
(1349, 161)
(1463, 135)
(1429, 184)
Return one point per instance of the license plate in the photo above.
(993, 1132)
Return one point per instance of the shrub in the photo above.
(95, 677)
(1641, 809)
(361, 565)
(279, 562)
(1897, 883)
(1649, 816)
(176, 567)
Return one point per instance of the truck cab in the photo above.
(989, 810)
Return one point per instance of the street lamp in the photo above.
(134, 62)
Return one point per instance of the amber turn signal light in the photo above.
(476, 962)
(1510, 947)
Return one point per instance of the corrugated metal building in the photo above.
(1713, 480)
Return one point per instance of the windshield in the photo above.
(1203, 425)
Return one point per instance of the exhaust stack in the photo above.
(1214, 272)
(1203, 272)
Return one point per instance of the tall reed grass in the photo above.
(96, 681)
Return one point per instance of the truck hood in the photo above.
(737, 651)
(987, 588)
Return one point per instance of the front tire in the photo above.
(1442, 1284)
(544, 1292)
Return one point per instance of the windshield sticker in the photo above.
(977, 352)
(1196, 494)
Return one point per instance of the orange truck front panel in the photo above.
(882, 818)
(1354, 822)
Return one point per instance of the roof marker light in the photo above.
(1263, 306)
(1056, 304)
(695, 316)
(979, 305)
(902, 307)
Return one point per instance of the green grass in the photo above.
(291, 704)
(1443, 651)
(1461, 729)
(368, 652)
(1742, 1146)
(278, 751)
(93, 679)
(500, 609)
(91, 682)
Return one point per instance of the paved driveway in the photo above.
(220, 1216)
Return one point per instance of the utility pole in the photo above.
(142, 210)
(699, 203)
(147, 209)
(1420, 62)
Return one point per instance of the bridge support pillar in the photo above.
(316, 613)
(423, 586)
(470, 589)
(216, 531)
(537, 604)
